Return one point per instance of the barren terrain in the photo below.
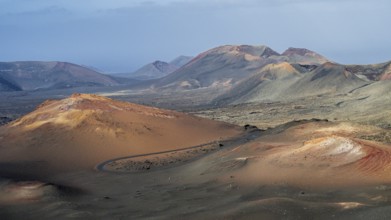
(308, 169)
(239, 132)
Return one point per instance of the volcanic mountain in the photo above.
(251, 74)
(375, 72)
(219, 66)
(31, 75)
(153, 70)
(227, 65)
(80, 131)
(268, 83)
(303, 56)
(282, 81)
(157, 69)
(327, 78)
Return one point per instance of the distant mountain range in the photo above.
(227, 65)
(157, 69)
(244, 73)
(33, 75)
(230, 74)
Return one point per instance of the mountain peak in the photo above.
(291, 51)
(79, 108)
(84, 130)
(303, 55)
(94, 102)
(154, 70)
(298, 51)
(161, 65)
(259, 51)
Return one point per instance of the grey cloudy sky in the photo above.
(122, 35)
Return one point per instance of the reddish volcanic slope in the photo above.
(80, 131)
(314, 154)
(304, 56)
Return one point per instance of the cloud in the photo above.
(46, 15)
(122, 35)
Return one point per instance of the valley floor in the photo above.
(250, 177)
(247, 178)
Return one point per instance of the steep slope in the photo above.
(36, 75)
(83, 130)
(327, 78)
(282, 81)
(267, 84)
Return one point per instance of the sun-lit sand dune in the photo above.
(84, 130)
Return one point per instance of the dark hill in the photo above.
(31, 75)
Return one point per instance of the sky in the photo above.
(123, 35)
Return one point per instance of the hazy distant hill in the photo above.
(181, 60)
(157, 69)
(153, 70)
(31, 75)
(8, 86)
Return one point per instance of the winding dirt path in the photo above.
(248, 136)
